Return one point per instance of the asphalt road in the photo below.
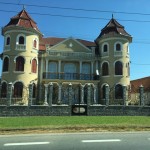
(77, 141)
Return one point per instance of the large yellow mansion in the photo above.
(64, 71)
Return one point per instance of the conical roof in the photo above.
(22, 19)
(113, 28)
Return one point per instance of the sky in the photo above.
(84, 19)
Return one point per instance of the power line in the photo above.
(78, 9)
(77, 17)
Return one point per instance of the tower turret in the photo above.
(113, 49)
(20, 56)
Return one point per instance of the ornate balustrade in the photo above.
(70, 54)
(70, 76)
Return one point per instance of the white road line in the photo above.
(107, 140)
(28, 143)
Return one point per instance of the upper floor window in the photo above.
(105, 69)
(70, 70)
(20, 63)
(8, 40)
(86, 68)
(52, 68)
(105, 47)
(128, 69)
(34, 66)
(118, 46)
(118, 68)
(21, 40)
(86, 71)
(5, 64)
(35, 43)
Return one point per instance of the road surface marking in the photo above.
(28, 143)
(93, 141)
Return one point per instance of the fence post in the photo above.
(30, 94)
(9, 94)
(89, 95)
(46, 91)
(107, 94)
(141, 90)
(124, 95)
(50, 94)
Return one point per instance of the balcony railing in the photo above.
(70, 54)
(20, 47)
(70, 76)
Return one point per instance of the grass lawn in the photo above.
(75, 122)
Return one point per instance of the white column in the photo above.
(92, 63)
(80, 70)
(46, 68)
(50, 93)
(96, 65)
(59, 68)
(59, 94)
(82, 94)
(94, 98)
(46, 91)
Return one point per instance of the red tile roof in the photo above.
(23, 19)
(54, 40)
(135, 84)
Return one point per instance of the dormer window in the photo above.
(21, 40)
(35, 43)
(105, 49)
(118, 46)
(8, 41)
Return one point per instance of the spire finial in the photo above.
(112, 16)
(23, 7)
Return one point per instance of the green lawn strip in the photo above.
(76, 122)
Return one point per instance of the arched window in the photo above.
(105, 69)
(21, 40)
(118, 92)
(128, 69)
(103, 91)
(18, 90)
(118, 46)
(20, 63)
(8, 40)
(4, 90)
(34, 66)
(118, 68)
(5, 64)
(35, 43)
(105, 48)
(34, 91)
